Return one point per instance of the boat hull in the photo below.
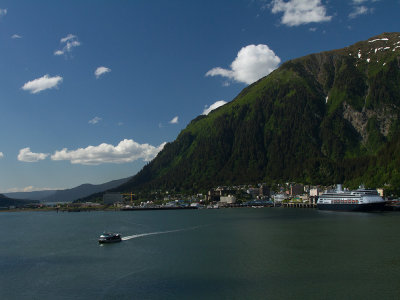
(377, 206)
(107, 238)
(109, 241)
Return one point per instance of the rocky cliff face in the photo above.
(385, 117)
(363, 66)
(375, 58)
(321, 118)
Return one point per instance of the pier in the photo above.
(158, 208)
(299, 205)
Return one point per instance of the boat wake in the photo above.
(129, 237)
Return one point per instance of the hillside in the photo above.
(5, 201)
(35, 195)
(319, 119)
(68, 195)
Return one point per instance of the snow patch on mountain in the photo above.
(383, 39)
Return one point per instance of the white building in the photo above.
(227, 199)
(279, 198)
(314, 192)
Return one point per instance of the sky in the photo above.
(90, 91)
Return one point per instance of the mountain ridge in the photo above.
(6, 201)
(68, 195)
(322, 118)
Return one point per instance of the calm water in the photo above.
(268, 253)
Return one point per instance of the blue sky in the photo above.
(91, 90)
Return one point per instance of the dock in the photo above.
(299, 205)
(158, 208)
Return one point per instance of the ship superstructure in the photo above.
(358, 200)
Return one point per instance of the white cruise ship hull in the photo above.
(378, 206)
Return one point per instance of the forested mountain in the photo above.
(5, 201)
(320, 119)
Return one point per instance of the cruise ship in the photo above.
(359, 200)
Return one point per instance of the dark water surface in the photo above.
(268, 253)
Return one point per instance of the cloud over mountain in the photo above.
(26, 155)
(126, 151)
(43, 83)
(213, 106)
(360, 8)
(175, 120)
(251, 63)
(29, 188)
(299, 12)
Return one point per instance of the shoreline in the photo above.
(390, 208)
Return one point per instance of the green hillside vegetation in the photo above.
(321, 119)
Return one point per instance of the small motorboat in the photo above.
(108, 237)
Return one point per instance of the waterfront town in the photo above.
(260, 195)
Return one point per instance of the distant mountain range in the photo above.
(37, 195)
(67, 195)
(320, 119)
(6, 201)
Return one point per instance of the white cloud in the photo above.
(101, 70)
(251, 63)
(58, 52)
(358, 2)
(16, 36)
(43, 83)
(69, 42)
(3, 12)
(299, 12)
(95, 120)
(29, 189)
(1, 155)
(26, 155)
(174, 120)
(213, 106)
(221, 72)
(358, 11)
(71, 45)
(126, 151)
(68, 38)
